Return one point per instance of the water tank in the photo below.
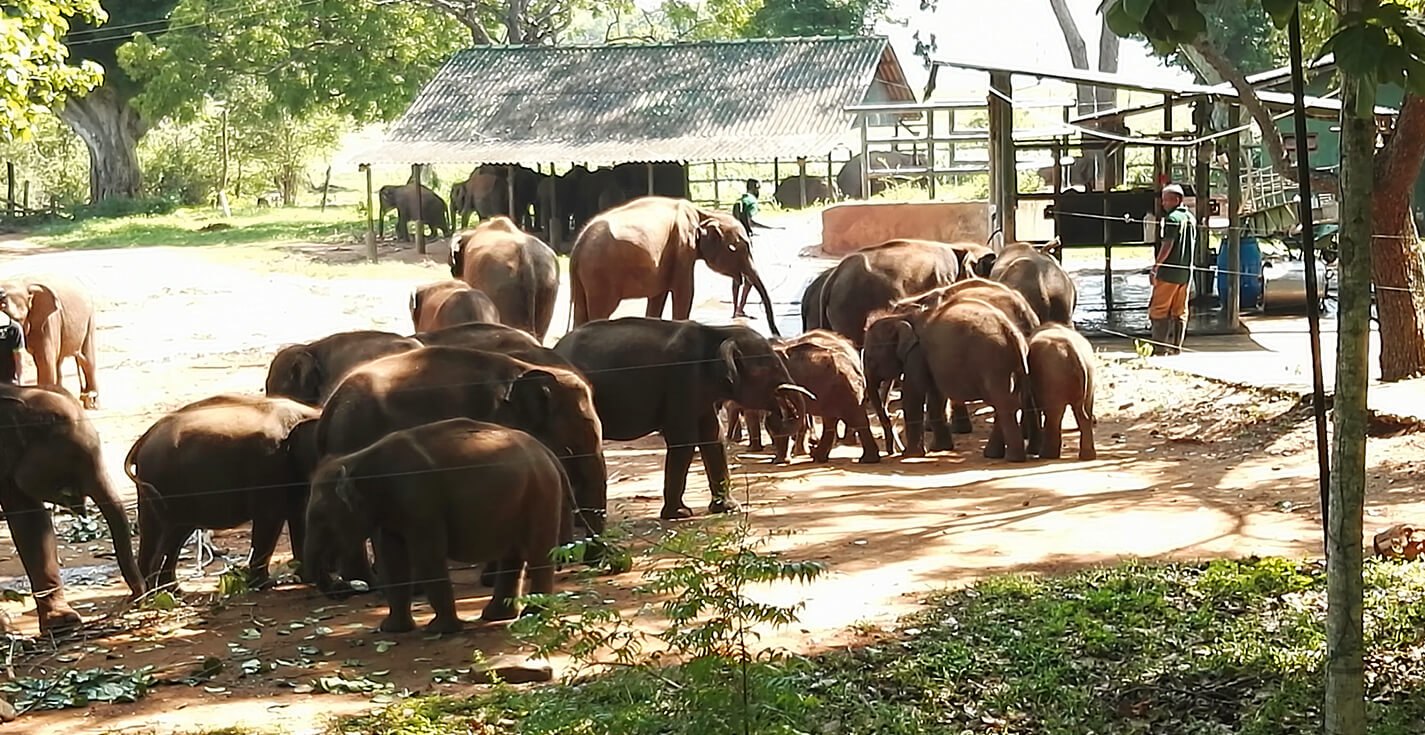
(1250, 277)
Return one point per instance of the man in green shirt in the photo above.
(745, 209)
(1171, 272)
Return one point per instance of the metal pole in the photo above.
(650, 179)
(1202, 187)
(930, 151)
(510, 194)
(1232, 306)
(865, 159)
(717, 194)
(1308, 251)
(370, 216)
(416, 178)
(802, 179)
(830, 183)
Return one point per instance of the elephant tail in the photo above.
(578, 300)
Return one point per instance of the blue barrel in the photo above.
(1251, 277)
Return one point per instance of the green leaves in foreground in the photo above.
(1167, 649)
(75, 688)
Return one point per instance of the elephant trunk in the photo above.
(118, 521)
(751, 275)
(589, 477)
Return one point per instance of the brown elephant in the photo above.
(487, 193)
(671, 377)
(456, 489)
(973, 352)
(448, 303)
(219, 463)
(401, 391)
(876, 277)
(308, 373)
(647, 249)
(789, 191)
(496, 338)
(975, 259)
(516, 270)
(1061, 376)
(57, 315)
(50, 453)
(427, 206)
(1035, 273)
(827, 364)
(811, 301)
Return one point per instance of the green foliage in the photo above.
(1169, 649)
(38, 74)
(53, 160)
(77, 688)
(184, 227)
(114, 208)
(695, 20)
(1241, 30)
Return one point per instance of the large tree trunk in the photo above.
(1089, 169)
(1396, 265)
(111, 129)
(1345, 639)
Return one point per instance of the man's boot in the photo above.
(1179, 333)
(1160, 336)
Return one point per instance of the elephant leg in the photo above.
(715, 466)
(870, 453)
(171, 547)
(755, 420)
(89, 382)
(488, 571)
(266, 527)
(297, 532)
(1085, 423)
(655, 307)
(736, 308)
(734, 423)
(507, 588)
(941, 438)
(403, 232)
(960, 418)
(34, 538)
(395, 564)
(428, 565)
(1052, 441)
(913, 405)
(539, 576)
(682, 295)
(881, 398)
(821, 449)
(1007, 431)
(782, 441)
(675, 476)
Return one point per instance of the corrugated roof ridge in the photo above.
(671, 44)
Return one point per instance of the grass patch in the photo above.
(1227, 646)
(184, 228)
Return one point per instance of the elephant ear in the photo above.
(985, 264)
(531, 398)
(43, 302)
(728, 353)
(345, 488)
(906, 340)
(301, 446)
(304, 377)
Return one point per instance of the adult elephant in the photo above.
(553, 404)
(515, 269)
(219, 463)
(448, 303)
(647, 249)
(497, 338)
(811, 301)
(57, 316)
(668, 179)
(50, 453)
(849, 177)
(410, 203)
(310, 372)
(671, 377)
(789, 191)
(975, 259)
(1036, 274)
(483, 193)
(876, 277)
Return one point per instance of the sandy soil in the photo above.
(1187, 468)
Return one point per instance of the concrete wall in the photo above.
(846, 228)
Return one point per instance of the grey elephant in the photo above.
(789, 191)
(876, 277)
(647, 248)
(456, 489)
(1035, 273)
(308, 373)
(57, 315)
(219, 463)
(411, 204)
(448, 303)
(1061, 377)
(849, 177)
(671, 377)
(516, 270)
(811, 301)
(50, 453)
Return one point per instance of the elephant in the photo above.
(517, 270)
(976, 260)
(308, 373)
(1060, 377)
(669, 179)
(972, 351)
(50, 453)
(432, 211)
(874, 278)
(670, 377)
(496, 338)
(811, 301)
(849, 177)
(826, 364)
(219, 463)
(401, 391)
(455, 489)
(448, 303)
(789, 191)
(487, 193)
(647, 248)
(1036, 274)
(57, 316)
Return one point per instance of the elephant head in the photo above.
(723, 244)
(557, 407)
(26, 301)
(297, 374)
(754, 375)
(338, 524)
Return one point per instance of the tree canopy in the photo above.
(39, 73)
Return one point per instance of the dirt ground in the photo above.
(1187, 468)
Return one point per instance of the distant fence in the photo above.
(17, 209)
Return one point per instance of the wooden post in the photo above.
(1004, 182)
(510, 194)
(326, 187)
(1202, 186)
(1232, 300)
(930, 151)
(830, 180)
(223, 174)
(650, 179)
(865, 158)
(776, 172)
(10, 189)
(802, 180)
(25, 197)
(419, 225)
(370, 216)
(717, 194)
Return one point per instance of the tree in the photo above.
(38, 73)
(530, 22)
(1092, 167)
(700, 20)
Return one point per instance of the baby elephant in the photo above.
(448, 303)
(455, 489)
(827, 364)
(220, 463)
(1061, 376)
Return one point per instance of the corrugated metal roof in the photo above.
(733, 100)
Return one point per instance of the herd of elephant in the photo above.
(470, 440)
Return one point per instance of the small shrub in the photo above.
(115, 207)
